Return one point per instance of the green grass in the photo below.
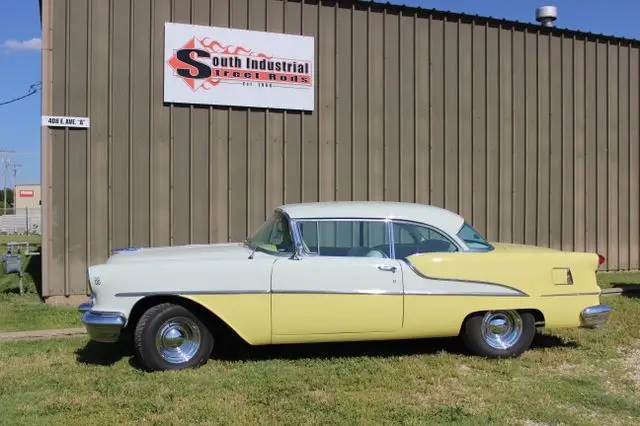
(572, 377)
(22, 313)
(609, 279)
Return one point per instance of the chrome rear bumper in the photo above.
(595, 316)
(102, 326)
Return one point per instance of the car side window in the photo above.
(411, 238)
(274, 235)
(352, 238)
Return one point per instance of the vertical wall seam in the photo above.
(498, 113)
(336, 98)
(131, 121)
(88, 140)
(67, 54)
(430, 130)
(385, 149)
(353, 109)
(152, 60)
(171, 154)
(458, 115)
(190, 153)
(110, 129)
(512, 195)
(400, 112)
(415, 107)
(562, 143)
(368, 102)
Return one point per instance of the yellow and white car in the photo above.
(341, 271)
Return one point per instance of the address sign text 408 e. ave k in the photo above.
(61, 121)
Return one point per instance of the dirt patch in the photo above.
(41, 334)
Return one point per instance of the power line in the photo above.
(33, 89)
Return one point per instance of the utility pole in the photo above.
(6, 161)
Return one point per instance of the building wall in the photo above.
(529, 133)
(27, 196)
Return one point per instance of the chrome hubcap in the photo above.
(501, 330)
(178, 340)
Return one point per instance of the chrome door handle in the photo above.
(387, 268)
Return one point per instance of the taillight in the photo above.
(601, 259)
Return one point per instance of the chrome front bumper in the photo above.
(102, 326)
(595, 316)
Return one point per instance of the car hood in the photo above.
(187, 252)
(520, 248)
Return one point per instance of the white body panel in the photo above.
(349, 278)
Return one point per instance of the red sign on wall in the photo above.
(24, 193)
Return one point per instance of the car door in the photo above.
(347, 283)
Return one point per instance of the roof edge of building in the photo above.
(488, 20)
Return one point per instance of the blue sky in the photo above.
(20, 62)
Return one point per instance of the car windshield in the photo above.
(473, 239)
(273, 236)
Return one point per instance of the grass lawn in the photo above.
(22, 313)
(573, 377)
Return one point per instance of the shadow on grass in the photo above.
(235, 350)
(628, 290)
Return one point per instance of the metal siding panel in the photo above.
(219, 151)
(479, 129)
(493, 134)
(98, 105)
(407, 108)
(451, 137)
(160, 134)
(238, 127)
(602, 104)
(591, 154)
(567, 164)
(423, 113)
(465, 135)
(375, 148)
(292, 122)
(344, 102)
(310, 149)
(182, 138)
(46, 139)
(579, 139)
(623, 161)
(555, 142)
(543, 109)
(436, 50)
(612, 158)
(391, 108)
(140, 132)
(531, 138)
(120, 105)
(56, 282)
(634, 158)
(76, 173)
(199, 164)
(275, 127)
(506, 139)
(327, 108)
(256, 203)
(519, 137)
(360, 100)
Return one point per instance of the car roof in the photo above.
(431, 215)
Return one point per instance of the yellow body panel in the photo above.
(541, 274)
(306, 314)
(249, 315)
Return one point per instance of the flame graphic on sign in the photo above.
(212, 46)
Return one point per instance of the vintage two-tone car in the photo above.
(341, 271)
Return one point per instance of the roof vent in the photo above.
(546, 15)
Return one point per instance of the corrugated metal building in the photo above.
(530, 132)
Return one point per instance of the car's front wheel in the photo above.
(170, 337)
(499, 334)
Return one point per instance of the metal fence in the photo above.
(20, 221)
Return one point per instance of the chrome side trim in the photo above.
(188, 292)
(369, 292)
(593, 293)
(520, 293)
(595, 316)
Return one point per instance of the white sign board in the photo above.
(231, 67)
(61, 121)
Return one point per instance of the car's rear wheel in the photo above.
(499, 334)
(170, 337)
